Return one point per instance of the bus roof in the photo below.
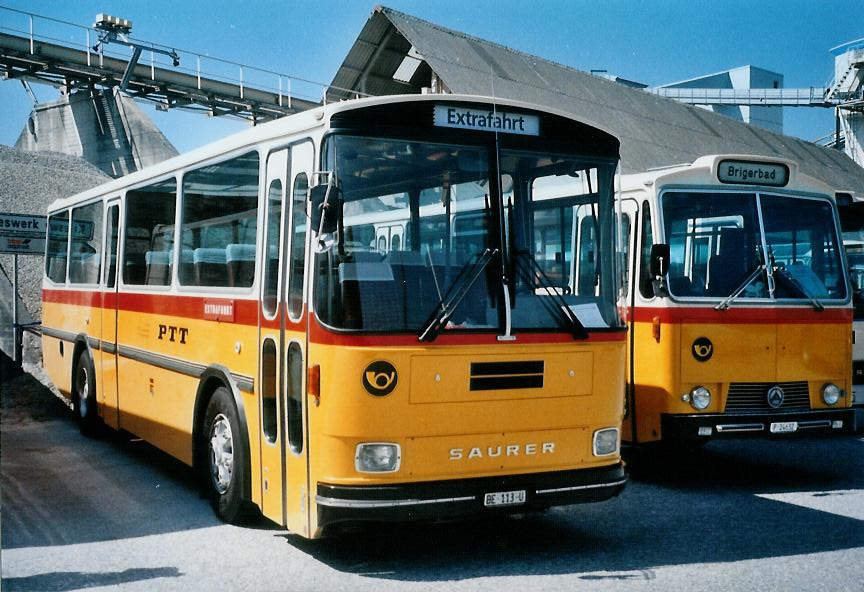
(703, 171)
(285, 126)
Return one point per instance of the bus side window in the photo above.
(298, 246)
(147, 245)
(646, 287)
(113, 240)
(220, 206)
(626, 235)
(85, 257)
(58, 247)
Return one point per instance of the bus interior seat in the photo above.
(57, 269)
(728, 268)
(158, 265)
(210, 267)
(240, 259)
(371, 299)
(187, 267)
(447, 267)
(135, 269)
(84, 268)
(414, 279)
(679, 283)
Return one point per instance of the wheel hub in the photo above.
(221, 453)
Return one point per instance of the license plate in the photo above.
(784, 427)
(504, 498)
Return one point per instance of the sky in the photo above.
(653, 42)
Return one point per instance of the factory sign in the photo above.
(23, 225)
(22, 245)
(22, 234)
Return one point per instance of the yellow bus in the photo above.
(366, 311)
(739, 305)
(852, 223)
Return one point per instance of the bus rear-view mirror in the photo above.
(326, 200)
(659, 260)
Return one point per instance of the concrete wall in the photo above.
(102, 127)
(770, 118)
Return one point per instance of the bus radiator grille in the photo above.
(752, 397)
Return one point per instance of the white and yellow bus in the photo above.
(739, 306)
(367, 311)
(852, 223)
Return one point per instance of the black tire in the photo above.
(84, 396)
(225, 475)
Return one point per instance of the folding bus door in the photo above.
(271, 343)
(297, 484)
(282, 343)
(109, 391)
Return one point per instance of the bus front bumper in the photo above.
(704, 427)
(465, 497)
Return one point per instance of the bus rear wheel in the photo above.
(226, 453)
(84, 396)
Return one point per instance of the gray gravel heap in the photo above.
(29, 181)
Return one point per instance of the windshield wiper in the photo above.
(792, 280)
(459, 289)
(559, 308)
(740, 289)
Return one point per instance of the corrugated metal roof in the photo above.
(654, 131)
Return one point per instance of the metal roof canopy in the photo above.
(654, 131)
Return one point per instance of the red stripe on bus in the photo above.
(246, 313)
(190, 307)
(76, 297)
(740, 316)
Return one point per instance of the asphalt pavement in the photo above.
(116, 514)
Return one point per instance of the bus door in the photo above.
(109, 391)
(631, 226)
(271, 346)
(283, 449)
(295, 360)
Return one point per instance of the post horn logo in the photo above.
(703, 349)
(379, 378)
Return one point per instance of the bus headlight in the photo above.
(377, 457)
(831, 393)
(606, 442)
(700, 398)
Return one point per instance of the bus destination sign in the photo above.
(487, 120)
(744, 172)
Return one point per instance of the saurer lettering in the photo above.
(506, 450)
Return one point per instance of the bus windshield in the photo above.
(731, 245)
(852, 222)
(426, 234)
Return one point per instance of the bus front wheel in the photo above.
(84, 396)
(226, 465)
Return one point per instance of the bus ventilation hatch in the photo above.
(493, 376)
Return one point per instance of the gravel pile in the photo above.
(29, 181)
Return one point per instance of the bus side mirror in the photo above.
(326, 201)
(659, 265)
